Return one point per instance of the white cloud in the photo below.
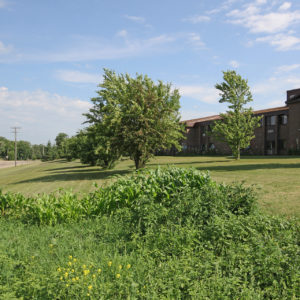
(3, 3)
(285, 6)
(122, 33)
(234, 64)
(257, 21)
(282, 42)
(197, 19)
(5, 49)
(287, 68)
(136, 19)
(272, 92)
(195, 114)
(195, 40)
(222, 7)
(260, 2)
(91, 48)
(200, 93)
(77, 76)
(40, 114)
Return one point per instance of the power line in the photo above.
(15, 131)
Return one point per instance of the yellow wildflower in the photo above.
(70, 263)
(74, 259)
(86, 272)
(73, 270)
(94, 276)
(58, 269)
(70, 256)
(66, 274)
(67, 285)
(109, 263)
(84, 267)
(73, 279)
(51, 245)
(61, 278)
(88, 294)
(118, 275)
(99, 270)
(128, 266)
(120, 267)
(90, 287)
(77, 278)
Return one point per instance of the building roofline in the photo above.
(192, 122)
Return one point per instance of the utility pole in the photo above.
(15, 131)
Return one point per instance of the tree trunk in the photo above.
(238, 154)
(139, 162)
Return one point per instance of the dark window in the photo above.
(270, 147)
(281, 144)
(271, 120)
(283, 119)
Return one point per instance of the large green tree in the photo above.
(237, 125)
(135, 117)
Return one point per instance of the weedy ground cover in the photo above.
(162, 234)
(278, 177)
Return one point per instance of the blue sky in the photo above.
(52, 54)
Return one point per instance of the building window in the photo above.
(283, 119)
(281, 144)
(271, 120)
(270, 147)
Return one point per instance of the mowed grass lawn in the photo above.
(277, 178)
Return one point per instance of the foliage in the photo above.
(61, 144)
(236, 127)
(171, 234)
(134, 116)
(151, 190)
(50, 152)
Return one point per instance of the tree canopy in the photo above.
(238, 124)
(135, 117)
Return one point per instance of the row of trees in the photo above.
(25, 150)
(135, 117)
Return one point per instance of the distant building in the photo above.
(279, 133)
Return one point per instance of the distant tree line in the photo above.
(26, 150)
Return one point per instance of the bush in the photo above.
(183, 235)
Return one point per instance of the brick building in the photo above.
(279, 133)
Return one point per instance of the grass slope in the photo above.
(278, 177)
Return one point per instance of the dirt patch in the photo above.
(11, 163)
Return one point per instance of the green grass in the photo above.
(277, 177)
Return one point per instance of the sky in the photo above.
(52, 55)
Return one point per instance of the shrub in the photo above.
(183, 235)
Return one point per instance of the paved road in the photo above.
(11, 163)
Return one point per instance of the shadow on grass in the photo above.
(72, 168)
(189, 162)
(250, 167)
(80, 175)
